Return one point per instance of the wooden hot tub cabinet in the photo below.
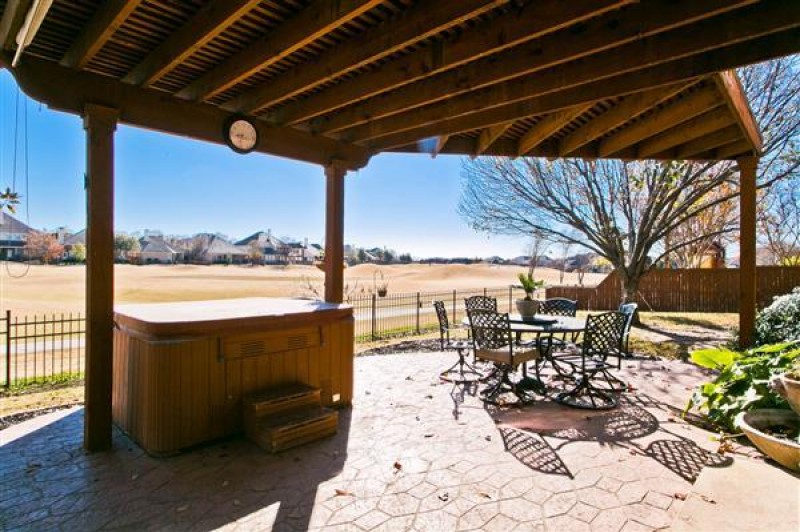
(181, 369)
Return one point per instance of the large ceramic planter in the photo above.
(526, 308)
(785, 452)
(791, 392)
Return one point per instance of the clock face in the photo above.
(241, 135)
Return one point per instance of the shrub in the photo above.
(743, 382)
(779, 322)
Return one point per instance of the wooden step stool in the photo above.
(285, 417)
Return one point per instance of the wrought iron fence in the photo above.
(412, 313)
(47, 348)
(41, 348)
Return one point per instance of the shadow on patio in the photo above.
(50, 482)
(414, 453)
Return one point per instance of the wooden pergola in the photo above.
(334, 82)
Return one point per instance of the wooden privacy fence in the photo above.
(689, 290)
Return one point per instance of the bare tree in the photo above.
(565, 246)
(717, 223)
(779, 222)
(624, 211)
(537, 247)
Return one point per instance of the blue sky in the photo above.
(180, 186)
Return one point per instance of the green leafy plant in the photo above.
(779, 321)
(529, 285)
(9, 200)
(743, 382)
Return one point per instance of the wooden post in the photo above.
(99, 123)
(334, 233)
(747, 249)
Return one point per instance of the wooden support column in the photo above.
(334, 233)
(99, 123)
(747, 249)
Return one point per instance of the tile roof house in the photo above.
(213, 249)
(276, 251)
(155, 250)
(13, 235)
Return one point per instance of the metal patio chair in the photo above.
(629, 309)
(601, 341)
(480, 303)
(461, 371)
(494, 342)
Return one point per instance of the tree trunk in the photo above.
(630, 286)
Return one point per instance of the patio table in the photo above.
(542, 324)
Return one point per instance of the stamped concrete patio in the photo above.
(412, 454)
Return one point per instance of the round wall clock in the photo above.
(240, 134)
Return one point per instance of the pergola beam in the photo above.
(697, 41)
(13, 18)
(747, 249)
(709, 142)
(740, 147)
(665, 118)
(100, 123)
(625, 111)
(334, 232)
(205, 25)
(320, 18)
(547, 126)
(67, 90)
(610, 31)
(489, 135)
(733, 93)
(689, 130)
(510, 29)
(416, 24)
(107, 20)
(667, 73)
(441, 140)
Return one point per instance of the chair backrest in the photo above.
(480, 303)
(558, 306)
(490, 330)
(603, 334)
(629, 309)
(441, 314)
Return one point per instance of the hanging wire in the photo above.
(26, 259)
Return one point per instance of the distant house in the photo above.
(276, 251)
(313, 252)
(155, 250)
(713, 257)
(70, 241)
(13, 235)
(206, 248)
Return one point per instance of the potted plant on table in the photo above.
(527, 307)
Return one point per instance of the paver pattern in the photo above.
(413, 453)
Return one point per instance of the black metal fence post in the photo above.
(455, 317)
(510, 296)
(374, 317)
(8, 348)
(419, 305)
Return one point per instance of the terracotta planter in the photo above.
(526, 308)
(790, 390)
(785, 452)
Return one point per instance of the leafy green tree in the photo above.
(78, 253)
(124, 244)
(362, 255)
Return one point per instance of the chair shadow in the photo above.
(525, 432)
(533, 451)
(685, 458)
(203, 489)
